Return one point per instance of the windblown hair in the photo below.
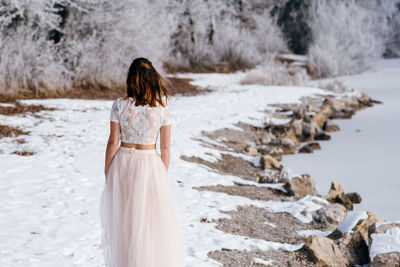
(145, 85)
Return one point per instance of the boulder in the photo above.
(332, 214)
(252, 151)
(354, 197)
(356, 222)
(268, 162)
(330, 126)
(365, 100)
(309, 148)
(319, 118)
(291, 136)
(322, 136)
(327, 110)
(354, 248)
(324, 252)
(288, 145)
(363, 226)
(301, 186)
(297, 127)
(335, 104)
(386, 260)
(384, 244)
(309, 130)
(337, 195)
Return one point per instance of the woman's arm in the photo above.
(165, 136)
(112, 144)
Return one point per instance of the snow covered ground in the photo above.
(49, 201)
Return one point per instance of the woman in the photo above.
(138, 211)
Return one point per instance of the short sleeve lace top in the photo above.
(139, 124)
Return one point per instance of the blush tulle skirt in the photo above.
(140, 216)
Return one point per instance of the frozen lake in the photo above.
(364, 155)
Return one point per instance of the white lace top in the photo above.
(139, 124)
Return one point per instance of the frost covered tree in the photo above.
(50, 44)
(345, 39)
(232, 32)
(387, 13)
(28, 58)
(62, 44)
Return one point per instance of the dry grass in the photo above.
(183, 87)
(23, 153)
(19, 108)
(9, 131)
(176, 86)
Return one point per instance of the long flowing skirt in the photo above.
(139, 213)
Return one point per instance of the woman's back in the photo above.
(139, 124)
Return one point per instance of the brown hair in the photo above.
(145, 85)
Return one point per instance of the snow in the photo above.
(351, 221)
(307, 233)
(50, 199)
(385, 242)
(7, 105)
(261, 261)
(293, 57)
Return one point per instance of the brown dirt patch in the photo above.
(228, 165)
(183, 87)
(245, 258)
(256, 222)
(19, 108)
(227, 67)
(250, 191)
(8, 131)
(23, 153)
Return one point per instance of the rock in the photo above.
(354, 197)
(337, 195)
(301, 186)
(335, 104)
(312, 108)
(319, 118)
(332, 214)
(297, 127)
(386, 260)
(289, 147)
(266, 138)
(264, 179)
(363, 226)
(356, 222)
(365, 100)
(354, 248)
(309, 130)
(268, 162)
(327, 110)
(382, 253)
(309, 148)
(252, 151)
(299, 113)
(291, 136)
(352, 101)
(269, 149)
(330, 126)
(324, 252)
(351, 237)
(322, 136)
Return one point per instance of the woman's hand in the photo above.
(165, 136)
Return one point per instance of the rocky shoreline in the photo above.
(329, 236)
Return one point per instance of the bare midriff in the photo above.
(138, 146)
